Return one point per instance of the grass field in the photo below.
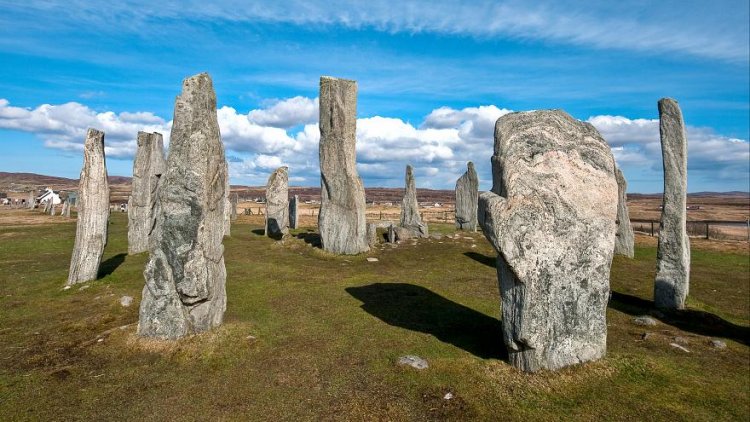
(309, 336)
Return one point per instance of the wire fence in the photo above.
(707, 229)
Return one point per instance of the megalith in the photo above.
(673, 253)
(410, 218)
(467, 197)
(93, 211)
(31, 200)
(185, 275)
(277, 203)
(227, 205)
(342, 222)
(551, 218)
(148, 167)
(624, 240)
(234, 200)
(294, 212)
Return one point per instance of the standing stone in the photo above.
(93, 211)
(227, 205)
(673, 253)
(551, 219)
(233, 199)
(52, 207)
(391, 235)
(410, 218)
(294, 212)
(372, 234)
(277, 203)
(148, 167)
(47, 206)
(467, 196)
(624, 241)
(31, 200)
(66, 208)
(185, 275)
(341, 221)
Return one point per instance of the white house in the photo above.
(49, 194)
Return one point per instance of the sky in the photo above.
(433, 77)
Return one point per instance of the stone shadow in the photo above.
(311, 238)
(691, 320)
(490, 261)
(110, 265)
(418, 309)
(259, 232)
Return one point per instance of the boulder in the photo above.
(410, 218)
(467, 197)
(148, 167)
(673, 252)
(277, 203)
(624, 240)
(341, 221)
(551, 218)
(185, 276)
(93, 211)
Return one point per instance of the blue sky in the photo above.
(433, 77)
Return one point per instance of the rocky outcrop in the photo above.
(277, 203)
(185, 275)
(294, 212)
(467, 196)
(673, 254)
(93, 211)
(148, 167)
(551, 217)
(410, 218)
(341, 221)
(624, 240)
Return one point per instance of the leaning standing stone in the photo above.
(185, 275)
(673, 253)
(467, 195)
(341, 221)
(552, 222)
(277, 203)
(294, 212)
(148, 167)
(93, 211)
(624, 242)
(410, 218)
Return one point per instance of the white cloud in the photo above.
(287, 113)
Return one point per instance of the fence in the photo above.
(708, 229)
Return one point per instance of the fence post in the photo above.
(381, 215)
(652, 229)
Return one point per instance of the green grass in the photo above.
(328, 331)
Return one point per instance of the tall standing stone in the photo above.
(31, 200)
(233, 199)
(552, 220)
(48, 206)
(624, 240)
(673, 253)
(294, 212)
(467, 196)
(148, 167)
(93, 211)
(277, 203)
(410, 218)
(185, 275)
(227, 206)
(342, 222)
(66, 209)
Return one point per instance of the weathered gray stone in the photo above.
(717, 344)
(66, 209)
(294, 212)
(126, 301)
(410, 218)
(185, 275)
(551, 217)
(672, 282)
(467, 197)
(414, 361)
(48, 206)
(234, 200)
(372, 234)
(624, 240)
(31, 200)
(644, 320)
(391, 236)
(148, 167)
(93, 211)
(227, 205)
(341, 221)
(52, 207)
(277, 203)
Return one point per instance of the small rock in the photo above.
(99, 340)
(66, 287)
(644, 320)
(448, 396)
(717, 344)
(84, 287)
(250, 338)
(677, 346)
(646, 336)
(371, 259)
(436, 236)
(473, 246)
(468, 238)
(413, 361)
(126, 301)
(681, 340)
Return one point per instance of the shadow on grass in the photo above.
(311, 238)
(694, 321)
(418, 309)
(110, 265)
(489, 261)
